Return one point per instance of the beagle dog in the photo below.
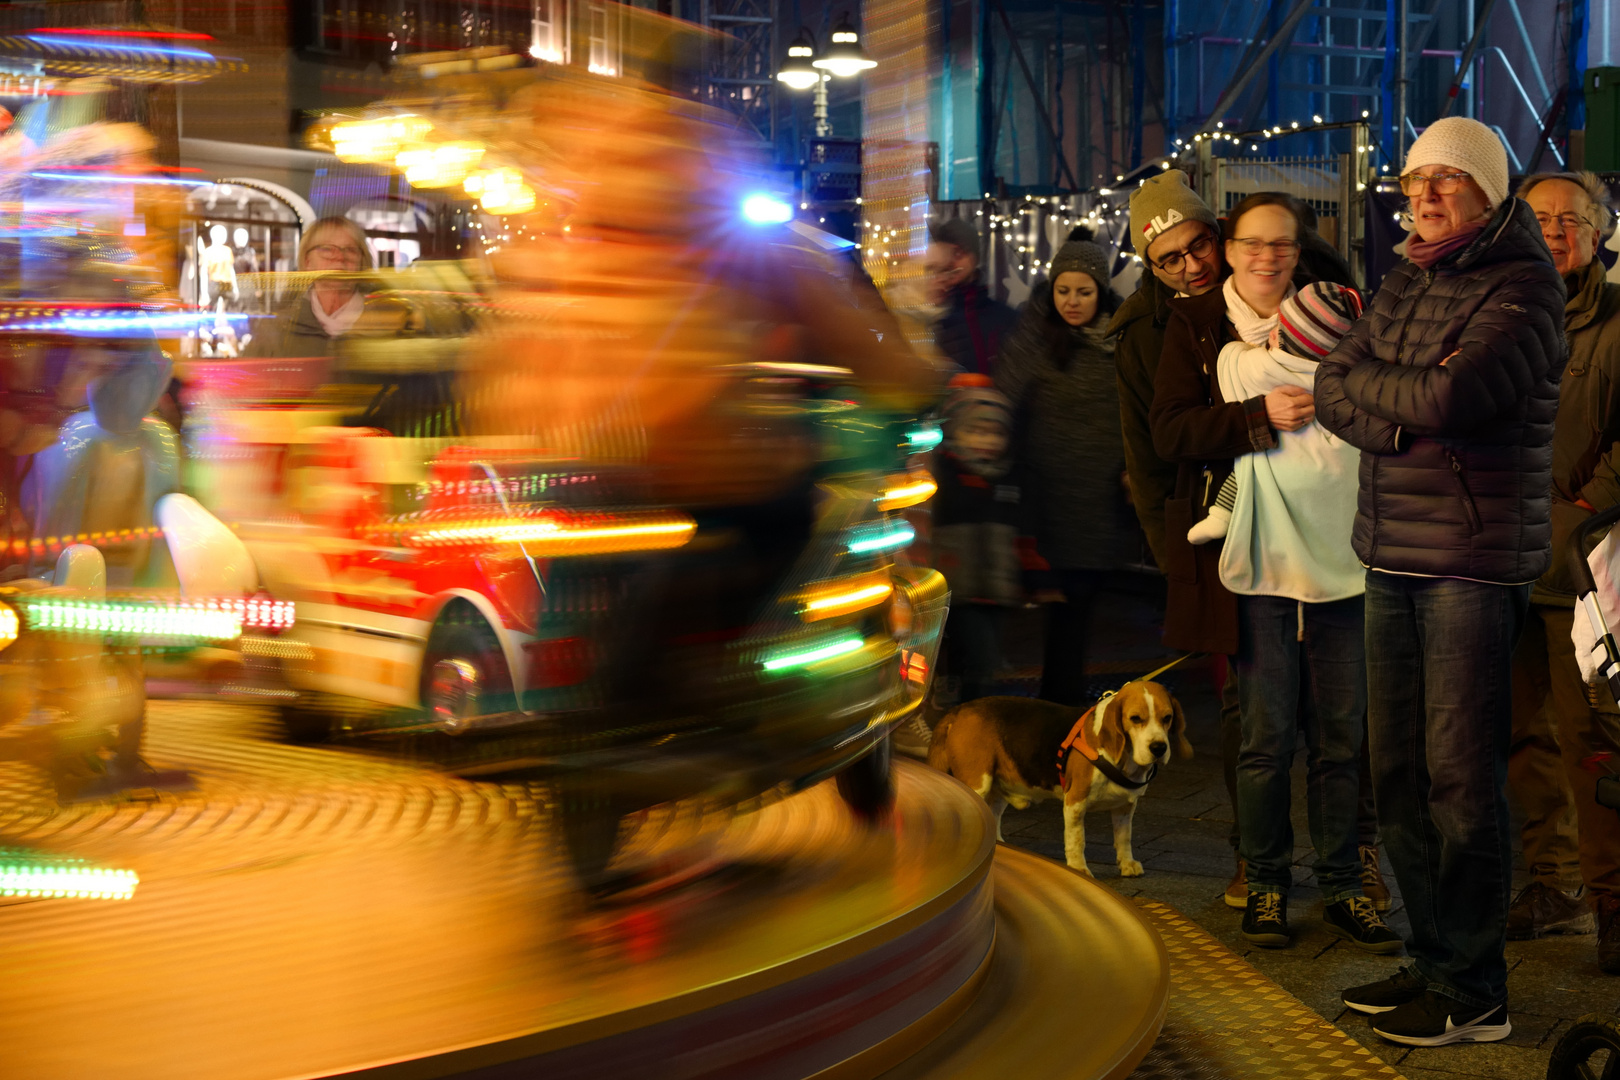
(1016, 751)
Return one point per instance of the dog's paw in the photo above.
(1131, 868)
(1083, 868)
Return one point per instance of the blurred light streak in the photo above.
(806, 657)
(173, 35)
(63, 880)
(916, 489)
(177, 322)
(86, 178)
(556, 535)
(923, 438)
(130, 618)
(843, 598)
(161, 50)
(885, 537)
(9, 625)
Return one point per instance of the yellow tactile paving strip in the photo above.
(1228, 1020)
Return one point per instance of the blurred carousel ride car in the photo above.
(494, 611)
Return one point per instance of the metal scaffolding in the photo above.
(739, 62)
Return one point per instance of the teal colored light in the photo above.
(66, 880)
(887, 537)
(125, 618)
(811, 656)
(923, 438)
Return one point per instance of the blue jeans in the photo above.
(1440, 705)
(1300, 666)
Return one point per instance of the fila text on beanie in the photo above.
(1160, 204)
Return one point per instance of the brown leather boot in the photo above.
(1237, 890)
(1373, 885)
(1608, 945)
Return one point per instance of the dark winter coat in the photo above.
(1138, 329)
(1061, 384)
(1449, 385)
(973, 328)
(1586, 434)
(1194, 427)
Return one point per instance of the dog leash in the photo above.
(1077, 739)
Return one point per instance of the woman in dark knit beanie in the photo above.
(1057, 368)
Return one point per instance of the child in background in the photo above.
(1309, 324)
(975, 532)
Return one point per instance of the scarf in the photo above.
(1250, 325)
(1426, 253)
(339, 321)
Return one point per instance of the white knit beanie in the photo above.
(1468, 146)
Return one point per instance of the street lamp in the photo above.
(804, 68)
(845, 57)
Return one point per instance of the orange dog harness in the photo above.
(1077, 740)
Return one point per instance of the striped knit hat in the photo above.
(1312, 321)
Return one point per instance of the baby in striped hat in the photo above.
(1310, 323)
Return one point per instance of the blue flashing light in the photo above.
(886, 536)
(767, 210)
(82, 45)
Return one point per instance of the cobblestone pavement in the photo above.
(1181, 830)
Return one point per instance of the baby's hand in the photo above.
(1275, 340)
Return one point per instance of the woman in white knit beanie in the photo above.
(1449, 385)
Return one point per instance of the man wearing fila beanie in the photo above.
(1177, 236)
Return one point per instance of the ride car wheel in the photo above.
(464, 674)
(306, 722)
(867, 784)
(1589, 1049)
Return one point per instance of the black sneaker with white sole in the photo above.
(1432, 1019)
(1385, 995)
(1265, 920)
(1357, 921)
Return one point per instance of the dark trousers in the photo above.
(1300, 670)
(1567, 835)
(1439, 712)
(1232, 741)
(973, 646)
(1063, 675)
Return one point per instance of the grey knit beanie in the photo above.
(1084, 256)
(959, 233)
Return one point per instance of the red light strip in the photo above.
(167, 35)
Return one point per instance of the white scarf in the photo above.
(339, 321)
(1250, 324)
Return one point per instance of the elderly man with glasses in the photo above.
(1558, 721)
(1449, 386)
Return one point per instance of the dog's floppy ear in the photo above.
(1111, 727)
(1178, 728)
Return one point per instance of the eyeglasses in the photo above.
(1566, 222)
(335, 251)
(1200, 249)
(1253, 245)
(1441, 183)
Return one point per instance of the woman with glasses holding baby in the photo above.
(1276, 495)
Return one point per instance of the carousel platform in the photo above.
(315, 912)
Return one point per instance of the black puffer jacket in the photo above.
(1449, 385)
(974, 328)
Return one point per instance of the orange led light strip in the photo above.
(911, 490)
(846, 596)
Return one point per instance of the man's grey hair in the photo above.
(1597, 193)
